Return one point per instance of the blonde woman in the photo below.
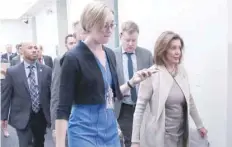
(89, 83)
(168, 95)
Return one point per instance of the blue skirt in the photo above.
(92, 126)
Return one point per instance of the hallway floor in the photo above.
(12, 140)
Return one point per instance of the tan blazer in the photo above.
(149, 116)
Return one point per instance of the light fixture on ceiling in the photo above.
(49, 11)
(25, 20)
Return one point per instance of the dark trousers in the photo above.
(125, 121)
(36, 128)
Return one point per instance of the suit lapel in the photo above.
(165, 85)
(120, 65)
(182, 81)
(24, 76)
(39, 75)
(139, 60)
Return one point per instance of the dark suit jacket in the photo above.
(144, 60)
(15, 60)
(16, 97)
(48, 61)
(5, 56)
(55, 90)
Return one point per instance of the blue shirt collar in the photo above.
(26, 64)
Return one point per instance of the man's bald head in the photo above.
(29, 51)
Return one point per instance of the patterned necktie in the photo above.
(34, 91)
(131, 73)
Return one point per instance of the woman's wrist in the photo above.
(137, 143)
(130, 83)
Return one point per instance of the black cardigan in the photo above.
(81, 80)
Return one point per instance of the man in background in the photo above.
(44, 59)
(4, 66)
(70, 42)
(130, 58)
(26, 96)
(18, 46)
(9, 54)
(19, 57)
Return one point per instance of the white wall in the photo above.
(229, 84)
(203, 26)
(229, 108)
(14, 32)
(75, 8)
(46, 28)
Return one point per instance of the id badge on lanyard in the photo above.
(109, 99)
(109, 93)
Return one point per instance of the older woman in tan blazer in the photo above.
(167, 97)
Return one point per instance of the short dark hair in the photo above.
(69, 35)
(18, 46)
(76, 23)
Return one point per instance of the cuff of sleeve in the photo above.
(62, 115)
(200, 126)
(135, 141)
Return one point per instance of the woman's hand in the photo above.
(4, 125)
(54, 135)
(3, 71)
(203, 132)
(135, 145)
(141, 75)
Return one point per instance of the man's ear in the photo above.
(120, 35)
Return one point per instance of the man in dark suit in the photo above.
(26, 95)
(70, 42)
(8, 55)
(3, 73)
(44, 59)
(19, 57)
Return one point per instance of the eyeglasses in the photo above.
(109, 26)
(30, 47)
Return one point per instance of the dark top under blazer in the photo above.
(81, 80)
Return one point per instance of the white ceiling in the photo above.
(14, 9)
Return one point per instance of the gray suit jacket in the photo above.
(55, 90)
(15, 60)
(3, 60)
(48, 61)
(16, 97)
(144, 60)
